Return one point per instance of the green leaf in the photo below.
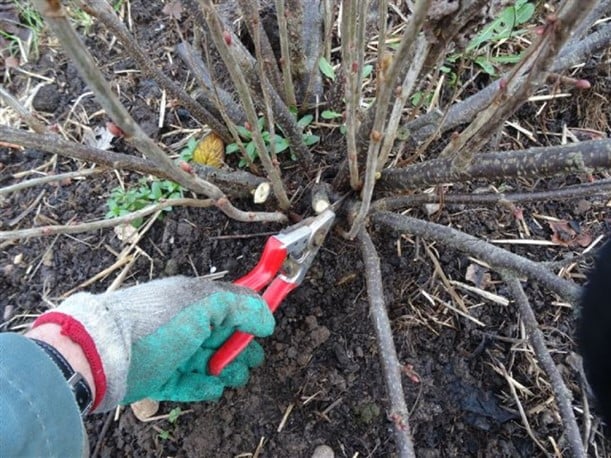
(502, 27)
(155, 193)
(187, 152)
(507, 58)
(251, 150)
(329, 114)
(417, 98)
(485, 65)
(305, 121)
(174, 414)
(261, 124)
(232, 148)
(367, 69)
(281, 144)
(326, 68)
(244, 132)
(311, 139)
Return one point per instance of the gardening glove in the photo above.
(154, 340)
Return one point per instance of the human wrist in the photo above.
(52, 334)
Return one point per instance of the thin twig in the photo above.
(102, 10)
(525, 77)
(224, 45)
(388, 354)
(404, 91)
(285, 62)
(498, 258)
(562, 394)
(264, 54)
(386, 85)
(104, 223)
(599, 187)
(236, 184)
(22, 111)
(47, 179)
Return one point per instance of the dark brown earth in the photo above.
(322, 361)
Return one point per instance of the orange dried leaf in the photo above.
(565, 234)
(210, 151)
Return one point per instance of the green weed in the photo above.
(166, 434)
(281, 144)
(124, 201)
(479, 50)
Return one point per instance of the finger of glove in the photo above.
(190, 387)
(218, 337)
(237, 373)
(249, 314)
(251, 356)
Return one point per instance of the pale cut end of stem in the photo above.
(261, 193)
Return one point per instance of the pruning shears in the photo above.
(283, 265)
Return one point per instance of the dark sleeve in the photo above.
(38, 413)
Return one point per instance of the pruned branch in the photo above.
(561, 393)
(496, 257)
(388, 354)
(600, 187)
(583, 157)
(104, 223)
(234, 184)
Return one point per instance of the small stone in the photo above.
(171, 267)
(431, 209)
(46, 99)
(582, 207)
(144, 408)
(323, 451)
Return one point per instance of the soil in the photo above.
(322, 381)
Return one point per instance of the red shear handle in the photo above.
(268, 266)
(239, 340)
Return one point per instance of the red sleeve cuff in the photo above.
(74, 330)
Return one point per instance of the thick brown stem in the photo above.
(388, 354)
(600, 187)
(561, 393)
(539, 162)
(498, 258)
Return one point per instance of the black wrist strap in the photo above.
(78, 385)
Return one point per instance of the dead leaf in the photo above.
(114, 130)
(173, 9)
(210, 151)
(478, 275)
(565, 233)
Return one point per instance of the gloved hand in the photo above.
(154, 340)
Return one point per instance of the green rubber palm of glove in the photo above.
(155, 339)
(190, 381)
